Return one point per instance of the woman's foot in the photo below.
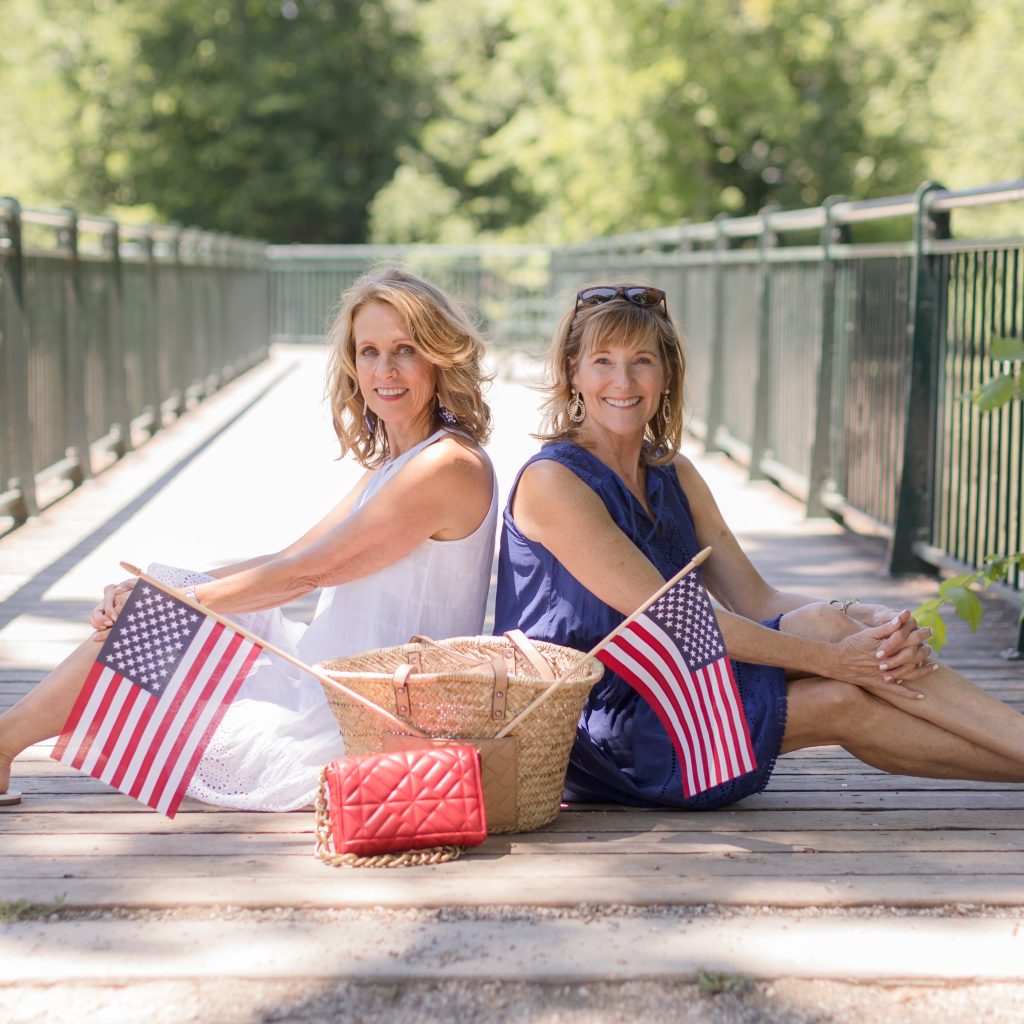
(8, 796)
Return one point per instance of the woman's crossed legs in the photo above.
(957, 732)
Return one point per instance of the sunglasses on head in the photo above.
(638, 294)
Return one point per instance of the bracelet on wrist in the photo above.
(844, 603)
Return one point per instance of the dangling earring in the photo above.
(447, 417)
(666, 407)
(368, 419)
(576, 409)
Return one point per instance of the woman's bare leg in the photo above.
(40, 714)
(952, 703)
(822, 712)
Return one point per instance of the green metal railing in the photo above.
(839, 368)
(825, 361)
(506, 286)
(105, 331)
(829, 362)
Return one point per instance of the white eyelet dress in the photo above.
(279, 731)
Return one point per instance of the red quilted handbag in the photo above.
(429, 800)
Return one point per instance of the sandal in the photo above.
(12, 796)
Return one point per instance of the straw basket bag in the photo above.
(472, 689)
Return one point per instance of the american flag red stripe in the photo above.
(220, 709)
(672, 653)
(638, 662)
(152, 748)
(144, 730)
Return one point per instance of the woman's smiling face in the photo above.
(397, 382)
(622, 387)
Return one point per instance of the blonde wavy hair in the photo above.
(619, 322)
(445, 337)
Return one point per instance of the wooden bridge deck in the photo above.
(222, 483)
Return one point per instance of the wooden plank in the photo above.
(548, 862)
(53, 778)
(13, 820)
(598, 822)
(594, 823)
(75, 799)
(77, 847)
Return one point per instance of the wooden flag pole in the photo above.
(529, 709)
(406, 727)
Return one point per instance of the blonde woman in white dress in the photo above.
(407, 551)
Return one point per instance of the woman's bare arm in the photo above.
(552, 506)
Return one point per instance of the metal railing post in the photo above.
(764, 392)
(153, 395)
(717, 383)
(75, 383)
(119, 413)
(916, 486)
(821, 446)
(178, 358)
(16, 423)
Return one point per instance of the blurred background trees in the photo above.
(451, 120)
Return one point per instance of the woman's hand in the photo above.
(105, 614)
(905, 654)
(882, 657)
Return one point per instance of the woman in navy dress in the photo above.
(608, 510)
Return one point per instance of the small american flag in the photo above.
(154, 697)
(673, 654)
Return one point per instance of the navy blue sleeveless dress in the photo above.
(622, 753)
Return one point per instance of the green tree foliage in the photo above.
(976, 89)
(451, 120)
(59, 64)
(272, 119)
(564, 120)
(260, 117)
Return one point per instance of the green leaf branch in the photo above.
(957, 591)
(1006, 386)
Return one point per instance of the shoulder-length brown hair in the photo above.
(623, 323)
(444, 335)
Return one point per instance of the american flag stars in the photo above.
(149, 638)
(686, 614)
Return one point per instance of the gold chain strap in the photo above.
(324, 849)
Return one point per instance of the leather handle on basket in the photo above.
(499, 686)
(499, 693)
(449, 651)
(524, 645)
(400, 682)
(519, 640)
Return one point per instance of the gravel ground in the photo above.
(715, 999)
(779, 1002)
(513, 912)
